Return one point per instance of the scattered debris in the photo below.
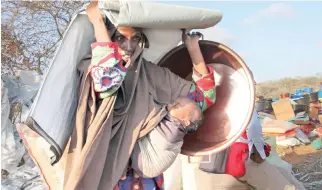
(310, 172)
(300, 146)
(18, 171)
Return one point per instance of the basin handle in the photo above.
(184, 31)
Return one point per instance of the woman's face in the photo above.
(127, 39)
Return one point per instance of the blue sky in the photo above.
(276, 39)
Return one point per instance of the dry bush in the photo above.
(31, 32)
(271, 89)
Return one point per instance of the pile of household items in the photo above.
(293, 119)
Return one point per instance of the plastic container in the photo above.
(275, 99)
(298, 95)
(308, 90)
(320, 94)
(284, 95)
(297, 91)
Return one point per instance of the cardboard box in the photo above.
(314, 112)
(283, 109)
(315, 105)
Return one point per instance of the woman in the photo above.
(122, 98)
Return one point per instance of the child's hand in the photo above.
(191, 39)
(93, 12)
(97, 19)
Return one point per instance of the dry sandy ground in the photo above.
(307, 164)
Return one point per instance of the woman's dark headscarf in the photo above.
(112, 29)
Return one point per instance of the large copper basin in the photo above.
(229, 116)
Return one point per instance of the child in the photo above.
(156, 151)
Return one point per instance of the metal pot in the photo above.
(260, 106)
(265, 104)
(313, 97)
(228, 118)
(300, 108)
(303, 101)
(268, 104)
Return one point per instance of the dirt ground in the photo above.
(307, 164)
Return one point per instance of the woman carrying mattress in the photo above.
(122, 98)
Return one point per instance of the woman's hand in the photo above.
(93, 12)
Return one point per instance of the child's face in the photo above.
(185, 110)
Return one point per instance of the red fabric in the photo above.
(267, 149)
(206, 82)
(307, 128)
(288, 133)
(203, 84)
(159, 180)
(244, 135)
(237, 156)
(209, 102)
(104, 44)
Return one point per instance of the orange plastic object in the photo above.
(230, 115)
(285, 95)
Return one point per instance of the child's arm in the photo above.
(96, 18)
(192, 43)
(107, 69)
(203, 90)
